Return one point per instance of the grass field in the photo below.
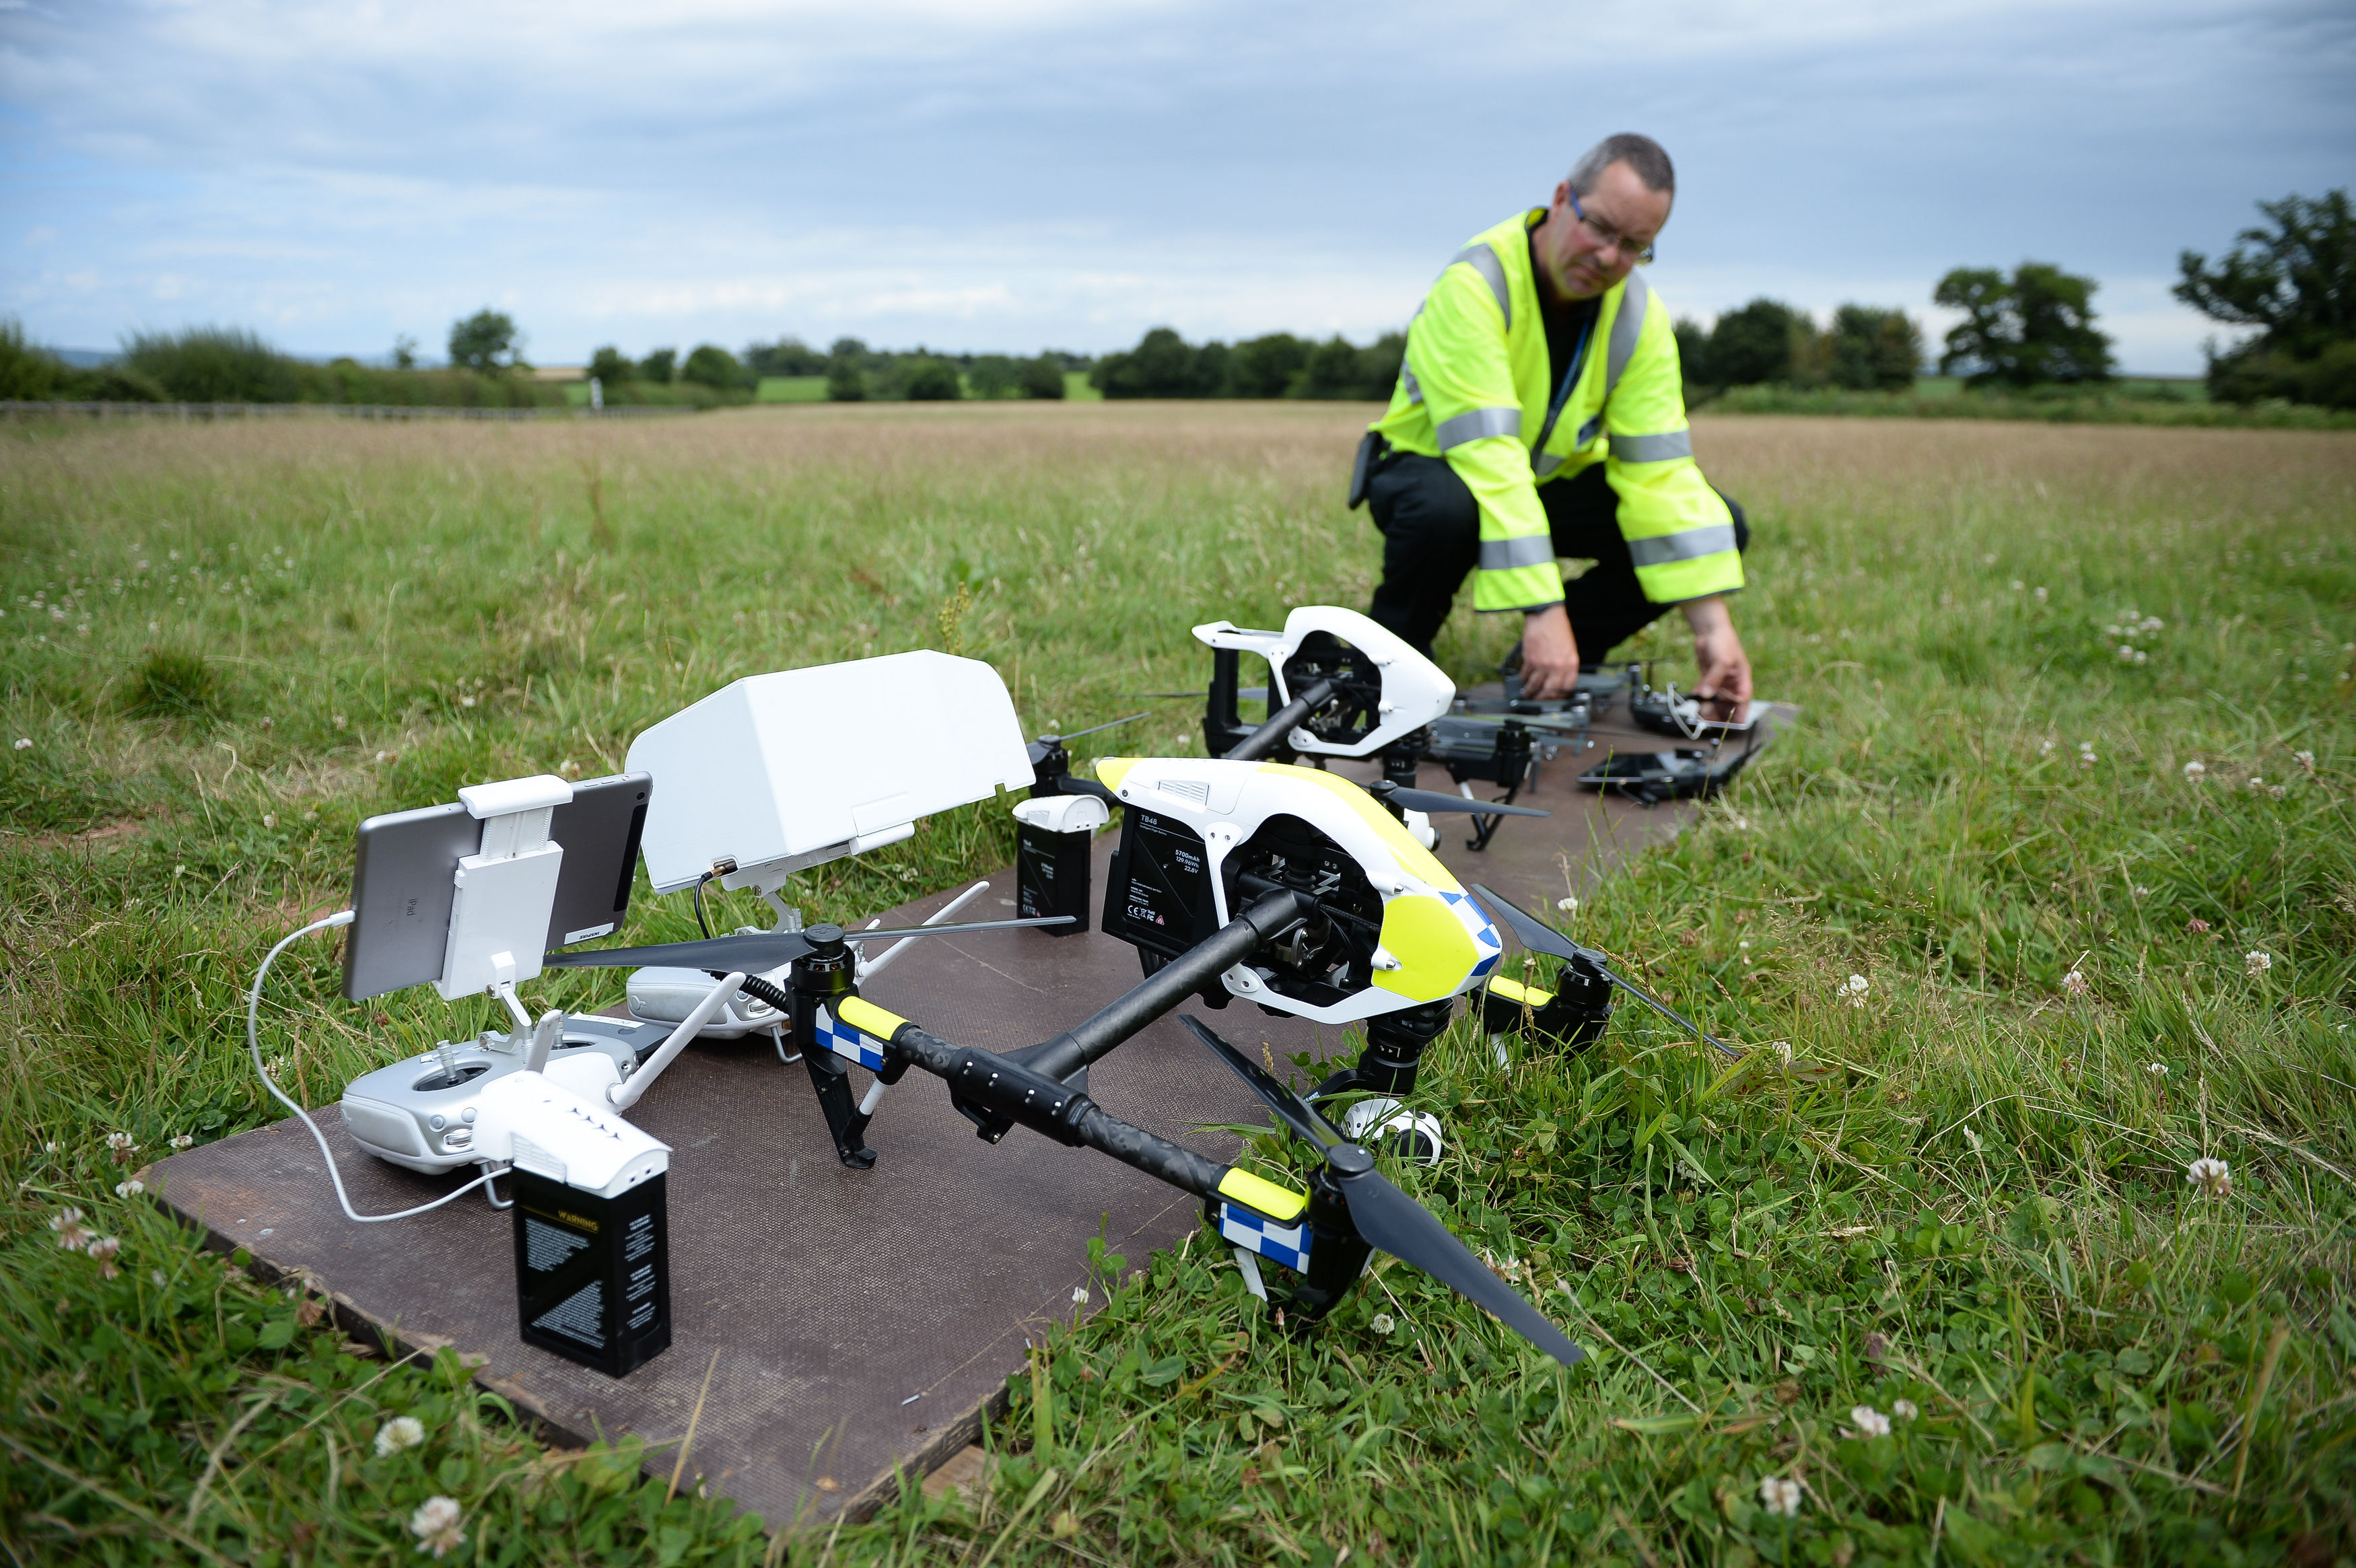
(2028, 962)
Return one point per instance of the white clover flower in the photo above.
(2075, 984)
(435, 1525)
(183, 1141)
(269, 819)
(120, 1146)
(2277, 791)
(1079, 1295)
(401, 1431)
(103, 1247)
(2213, 1176)
(2255, 963)
(72, 1234)
(1381, 1323)
(1568, 903)
(1784, 1052)
(2040, 596)
(2018, 585)
(53, 1146)
(2045, 748)
(1869, 1421)
(2156, 1068)
(23, 743)
(2142, 658)
(2258, 783)
(131, 1188)
(2305, 760)
(1855, 990)
(2154, 624)
(2126, 653)
(1905, 1409)
(2194, 769)
(1782, 1496)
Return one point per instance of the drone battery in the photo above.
(1051, 837)
(593, 1273)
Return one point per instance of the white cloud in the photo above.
(1047, 171)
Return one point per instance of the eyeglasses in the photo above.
(1608, 237)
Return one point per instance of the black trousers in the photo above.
(1431, 539)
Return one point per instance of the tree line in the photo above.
(2293, 280)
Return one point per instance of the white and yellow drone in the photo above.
(1200, 838)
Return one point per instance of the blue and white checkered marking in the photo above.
(1486, 940)
(1286, 1244)
(848, 1042)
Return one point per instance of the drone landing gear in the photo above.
(1337, 1254)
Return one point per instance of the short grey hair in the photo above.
(1644, 156)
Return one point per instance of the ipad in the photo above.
(599, 830)
(404, 878)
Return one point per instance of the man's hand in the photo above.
(1551, 655)
(1723, 688)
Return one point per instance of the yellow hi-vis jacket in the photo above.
(1476, 388)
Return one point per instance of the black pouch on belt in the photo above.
(1372, 450)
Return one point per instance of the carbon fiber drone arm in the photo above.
(1006, 1090)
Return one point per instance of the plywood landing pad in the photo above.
(863, 1320)
(857, 1323)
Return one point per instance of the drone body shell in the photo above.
(1414, 691)
(1435, 942)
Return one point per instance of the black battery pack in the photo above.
(593, 1274)
(1051, 876)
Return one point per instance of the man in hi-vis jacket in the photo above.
(1540, 414)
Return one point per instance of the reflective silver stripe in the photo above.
(1407, 374)
(1690, 544)
(1475, 424)
(1544, 462)
(1625, 327)
(1484, 261)
(1503, 555)
(1653, 448)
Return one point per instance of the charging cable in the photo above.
(253, 1042)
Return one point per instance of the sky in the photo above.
(1010, 175)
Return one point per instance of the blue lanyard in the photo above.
(1569, 379)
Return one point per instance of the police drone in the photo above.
(1343, 686)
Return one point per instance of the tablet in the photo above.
(600, 829)
(404, 879)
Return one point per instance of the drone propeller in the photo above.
(1540, 937)
(758, 952)
(1430, 800)
(1051, 738)
(1387, 1218)
(1308, 1124)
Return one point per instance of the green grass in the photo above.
(791, 390)
(2129, 400)
(1968, 1193)
(1078, 389)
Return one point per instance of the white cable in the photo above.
(253, 1042)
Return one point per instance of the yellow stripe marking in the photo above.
(869, 1020)
(1257, 1192)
